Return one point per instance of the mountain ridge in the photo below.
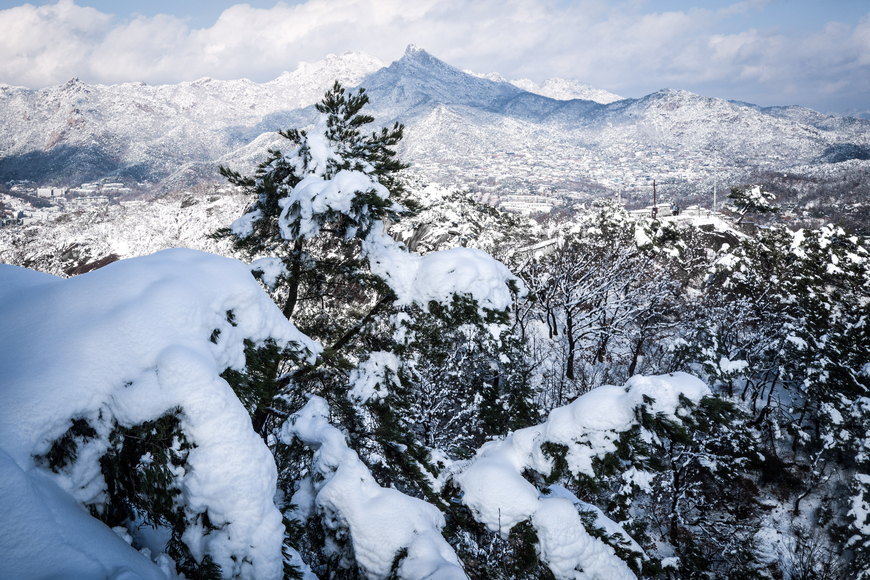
(80, 132)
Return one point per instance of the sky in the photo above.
(768, 52)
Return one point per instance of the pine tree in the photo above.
(752, 199)
(322, 211)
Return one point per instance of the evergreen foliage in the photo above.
(140, 465)
(752, 199)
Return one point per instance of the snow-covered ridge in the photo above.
(555, 88)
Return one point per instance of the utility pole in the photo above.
(715, 177)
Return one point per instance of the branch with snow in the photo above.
(379, 522)
(440, 275)
(500, 497)
(118, 347)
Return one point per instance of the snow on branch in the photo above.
(500, 497)
(440, 275)
(380, 522)
(119, 347)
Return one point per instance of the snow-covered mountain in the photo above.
(566, 90)
(79, 132)
(178, 134)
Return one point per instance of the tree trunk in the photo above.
(293, 288)
(569, 330)
(636, 355)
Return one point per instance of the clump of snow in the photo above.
(439, 275)
(500, 497)
(732, 366)
(244, 226)
(641, 238)
(371, 377)
(269, 269)
(319, 147)
(315, 195)
(860, 510)
(601, 520)
(379, 522)
(120, 346)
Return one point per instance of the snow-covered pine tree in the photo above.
(322, 211)
(784, 316)
(313, 209)
(752, 199)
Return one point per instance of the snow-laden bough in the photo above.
(121, 346)
(500, 497)
(380, 522)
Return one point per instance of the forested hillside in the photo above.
(435, 390)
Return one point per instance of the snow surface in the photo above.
(500, 497)
(378, 521)
(123, 345)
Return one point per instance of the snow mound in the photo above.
(120, 346)
(378, 521)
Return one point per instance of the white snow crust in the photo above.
(378, 521)
(123, 345)
(500, 497)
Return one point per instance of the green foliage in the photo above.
(64, 450)
(139, 472)
(139, 467)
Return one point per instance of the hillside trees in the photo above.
(603, 304)
(786, 322)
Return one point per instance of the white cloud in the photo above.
(620, 46)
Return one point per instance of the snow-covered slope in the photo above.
(566, 90)
(78, 131)
(555, 88)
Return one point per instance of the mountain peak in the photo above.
(413, 49)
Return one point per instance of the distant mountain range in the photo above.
(177, 134)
